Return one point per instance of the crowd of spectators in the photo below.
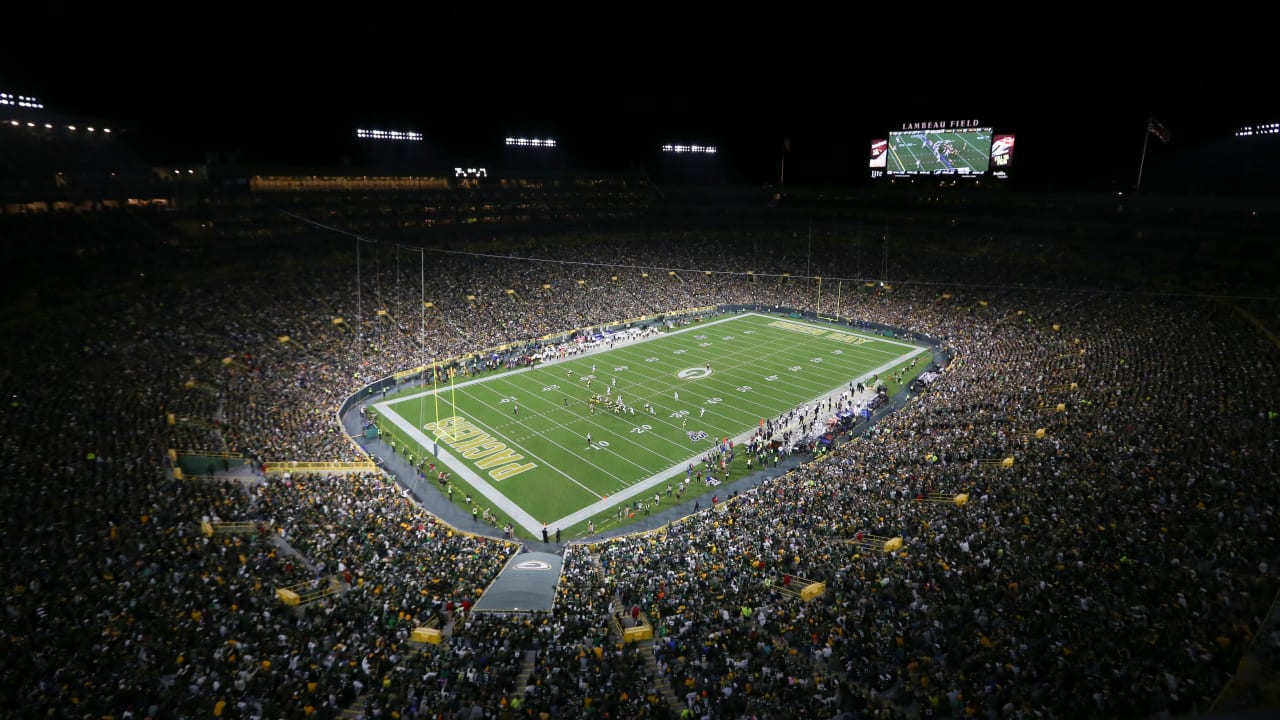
(1119, 568)
(1116, 570)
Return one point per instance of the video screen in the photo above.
(1001, 155)
(879, 153)
(939, 152)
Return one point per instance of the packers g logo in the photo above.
(693, 373)
(533, 565)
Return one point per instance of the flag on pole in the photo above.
(1155, 128)
(786, 144)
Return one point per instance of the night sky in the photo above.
(612, 82)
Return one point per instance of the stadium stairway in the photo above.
(527, 664)
(356, 711)
(287, 549)
(659, 679)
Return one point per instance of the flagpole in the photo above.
(1146, 138)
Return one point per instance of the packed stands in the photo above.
(1121, 568)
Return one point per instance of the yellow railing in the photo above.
(310, 591)
(799, 587)
(227, 528)
(1002, 462)
(330, 468)
(642, 630)
(208, 454)
(427, 635)
(312, 183)
(428, 632)
(876, 543)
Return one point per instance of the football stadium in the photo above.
(527, 440)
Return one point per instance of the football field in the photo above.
(519, 440)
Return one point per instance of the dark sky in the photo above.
(613, 81)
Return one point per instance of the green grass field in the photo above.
(518, 440)
(950, 152)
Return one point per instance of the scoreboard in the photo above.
(963, 148)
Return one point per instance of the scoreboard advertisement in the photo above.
(879, 154)
(1001, 155)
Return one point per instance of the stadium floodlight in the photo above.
(470, 172)
(393, 135)
(25, 101)
(1251, 130)
(700, 149)
(71, 127)
(14, 123)
(531, 142)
